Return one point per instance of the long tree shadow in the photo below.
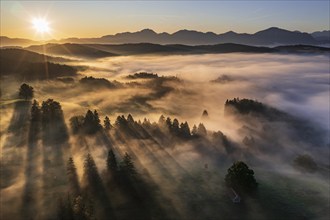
(32, 181)
(93, 188)
(147, 192)
(55, 154)
(18, 126)
(11, 155)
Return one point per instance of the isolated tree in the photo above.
(25, 91)
(205, 114)
(107, 124)
(112, 162)
(241, 178)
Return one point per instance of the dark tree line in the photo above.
(88, 124)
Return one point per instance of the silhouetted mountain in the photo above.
(323, 36)
(27, 65)
(104, 50)
(76, 50)
(6, 41)
(302, 49)
(270, 36)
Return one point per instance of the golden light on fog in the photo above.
(41, 25)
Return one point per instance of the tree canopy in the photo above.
(25, 91)
(241, 178)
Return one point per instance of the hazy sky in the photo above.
(98, 18)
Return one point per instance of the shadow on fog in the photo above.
(55, 151)
(18, 126)
(142, 202)
(11, 157)
(32, 176)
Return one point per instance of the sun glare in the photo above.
(41, 25)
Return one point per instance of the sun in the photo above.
(41, 25)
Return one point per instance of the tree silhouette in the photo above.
(201, 130)
(162, 121)
(241, 178)
(107, 124)
(91, 176)
(77, 123)
(92, 122)
(194, 130)
(112, 162)
(205, 114)
(25, 91)
(71, 172)
(35, 111)
(127, 166)
(175, 127)
(184, 130)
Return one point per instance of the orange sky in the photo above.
(95, 19)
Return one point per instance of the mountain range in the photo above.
(108, 50)
(269, 37)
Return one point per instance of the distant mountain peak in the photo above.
(147, 30)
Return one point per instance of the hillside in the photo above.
(29, 65)
(107, 50)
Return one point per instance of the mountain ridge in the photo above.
(272, 36)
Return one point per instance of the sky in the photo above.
(99, 18)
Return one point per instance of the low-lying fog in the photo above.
(293, 83)
(296, 84)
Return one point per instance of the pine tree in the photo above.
(169, 123)
(161, 121)
(175, 127)
(127, 165)
(91, 176)
(97, 122)
(201, 130)
(194, 130)
(130, 119)
(72, 176)
(35, 111)
(107, 124)
(112, 162)
(184, 130)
